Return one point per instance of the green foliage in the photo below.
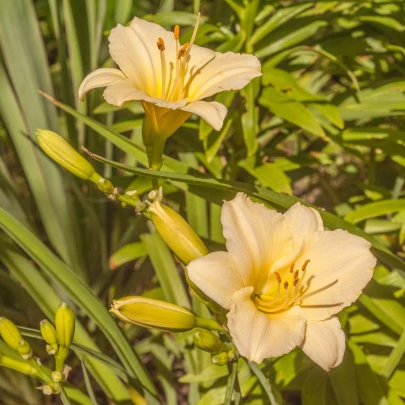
(324, 124)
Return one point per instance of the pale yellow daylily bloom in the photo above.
(283, 279)
(169, 80)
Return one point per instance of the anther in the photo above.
(296, 281)
(304, 266)
(296, 274)
(286, 285)
(277, 276)
(161, 44)
(176, 32)
(292, 268)
(182, 50)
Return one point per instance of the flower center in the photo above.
(173, 90)
(290, 291)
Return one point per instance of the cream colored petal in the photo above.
(258, 335)
(334, 255)
(324, 343)
(100, 78)
(225, 71)
(119, 93)
(256, 237)
(303, 221)
(216, 276)
(212, 112)
(134, 49)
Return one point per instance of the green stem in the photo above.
(60, 358)
(232, 386)
(209, 324)
(265, 383)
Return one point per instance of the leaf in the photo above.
(290, 110)
(276, 200)
(316, 389)
(371, 390)
(343, 381)
(213, 141)
(395, 357)
(290, 39)
(375, 209)
(127, 253)
(280, 17)
(269, 175)
(166, 271)
(250, 120)
(23, 111)
(88, 384)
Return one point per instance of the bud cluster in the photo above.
(58, 339)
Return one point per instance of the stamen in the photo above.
(292, 267)
(182, 51)
(286, 285)
(296, 274)
(304, 270)
(176, 32)
(303, 297)
(304, 266)
(276, 273)
(161, 46)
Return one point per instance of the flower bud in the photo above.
(48, 332)
(65, 325)
(62, 152)
(20, 366)
(220, 359)
(151, 313)
(24, 349)
(177, 233)
(10, 333)
(207, 341)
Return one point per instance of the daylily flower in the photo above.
(169, 79)
(283, 279)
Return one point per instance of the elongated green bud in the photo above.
(62, 152)
(10, 333)
(24, 349)
(207, 341)
(65, 325)
(21, 366)
(177, 233)
(152, 313)
(48, 332)
(220, 359)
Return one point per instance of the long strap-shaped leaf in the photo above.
(23, 111)
(278, 201)
(82, 296)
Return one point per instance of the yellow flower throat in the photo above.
(293, 291)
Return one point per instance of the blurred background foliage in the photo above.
(324, 123)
